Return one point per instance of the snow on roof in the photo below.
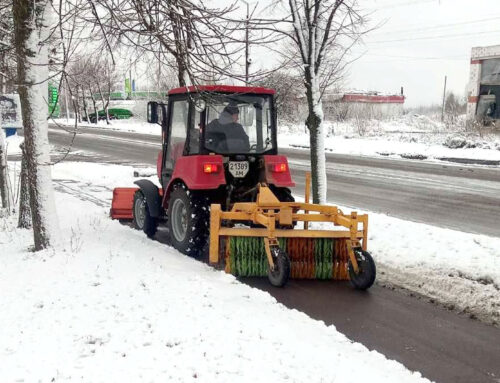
(373, 98)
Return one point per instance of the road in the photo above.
(442, 345)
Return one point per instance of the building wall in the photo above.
(477, 55)
(366, 110)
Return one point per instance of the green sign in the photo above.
(128, 87)
(54, 108)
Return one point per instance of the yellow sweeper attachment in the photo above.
(260, 238)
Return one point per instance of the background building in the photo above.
(483, 94)
(368, 105)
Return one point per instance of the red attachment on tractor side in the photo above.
(121, 206)
(278, 171)
(222, 89)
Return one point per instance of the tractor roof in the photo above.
(222, 89)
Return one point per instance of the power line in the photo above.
(461, 57)
(405, 4)
(439, 26)
(433, 37)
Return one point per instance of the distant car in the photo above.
(114, 114)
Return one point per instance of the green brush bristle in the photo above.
(248, 256)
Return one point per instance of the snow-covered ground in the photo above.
(108, 304)
(414, 137)
(135, 125)
(13, 143)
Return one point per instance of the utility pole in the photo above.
(444, 98)
(247, 43)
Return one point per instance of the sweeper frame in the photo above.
(270, 213)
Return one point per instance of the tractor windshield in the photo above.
(238, 124)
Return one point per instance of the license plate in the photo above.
(238, 169)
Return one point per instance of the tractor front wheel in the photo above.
(365, 277)
(281, 272)
(188, 220)
(142, 219)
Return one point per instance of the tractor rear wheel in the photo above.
(367, 271)
(142, 219)
(281, 272)
(188, 221)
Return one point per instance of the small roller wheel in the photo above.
(281, 272)
(366, 270)
(142, 219)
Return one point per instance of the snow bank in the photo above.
(457, 269)
(112, 305)
(409, 136)
(13, 143)
(131, 125)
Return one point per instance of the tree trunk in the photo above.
(106, 111)
(31, 33)
(24, 221)
(94, 102)
(85, 109)
(314, 123)
(4, 187)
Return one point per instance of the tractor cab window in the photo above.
(238, 124)
(178, 132)
(194, 133)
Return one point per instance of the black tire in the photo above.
(142, 219)
(188, 221)
(279, 276)
(367, 270)
(283, 194)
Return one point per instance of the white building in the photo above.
(483, 93)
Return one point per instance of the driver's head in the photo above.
(233, 110)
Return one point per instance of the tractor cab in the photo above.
(235, 126)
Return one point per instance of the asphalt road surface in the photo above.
(442, 345)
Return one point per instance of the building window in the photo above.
(490, 72)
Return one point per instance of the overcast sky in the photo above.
(417, 44)
(420, 42)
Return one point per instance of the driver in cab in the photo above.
(225, 134)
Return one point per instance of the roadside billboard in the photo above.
(10, 113)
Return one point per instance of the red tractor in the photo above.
(218, 144)
(219, 167)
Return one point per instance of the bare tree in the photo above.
(31, 31)
(24, 220)
(4, 187)
(106, 77)
(454, 106)
(7, 56)
(189, 33)
(289, 91)
(320, 33)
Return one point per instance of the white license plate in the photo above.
(238, 169)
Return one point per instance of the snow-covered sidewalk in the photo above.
(108, 304)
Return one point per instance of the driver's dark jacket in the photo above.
(227, 137)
